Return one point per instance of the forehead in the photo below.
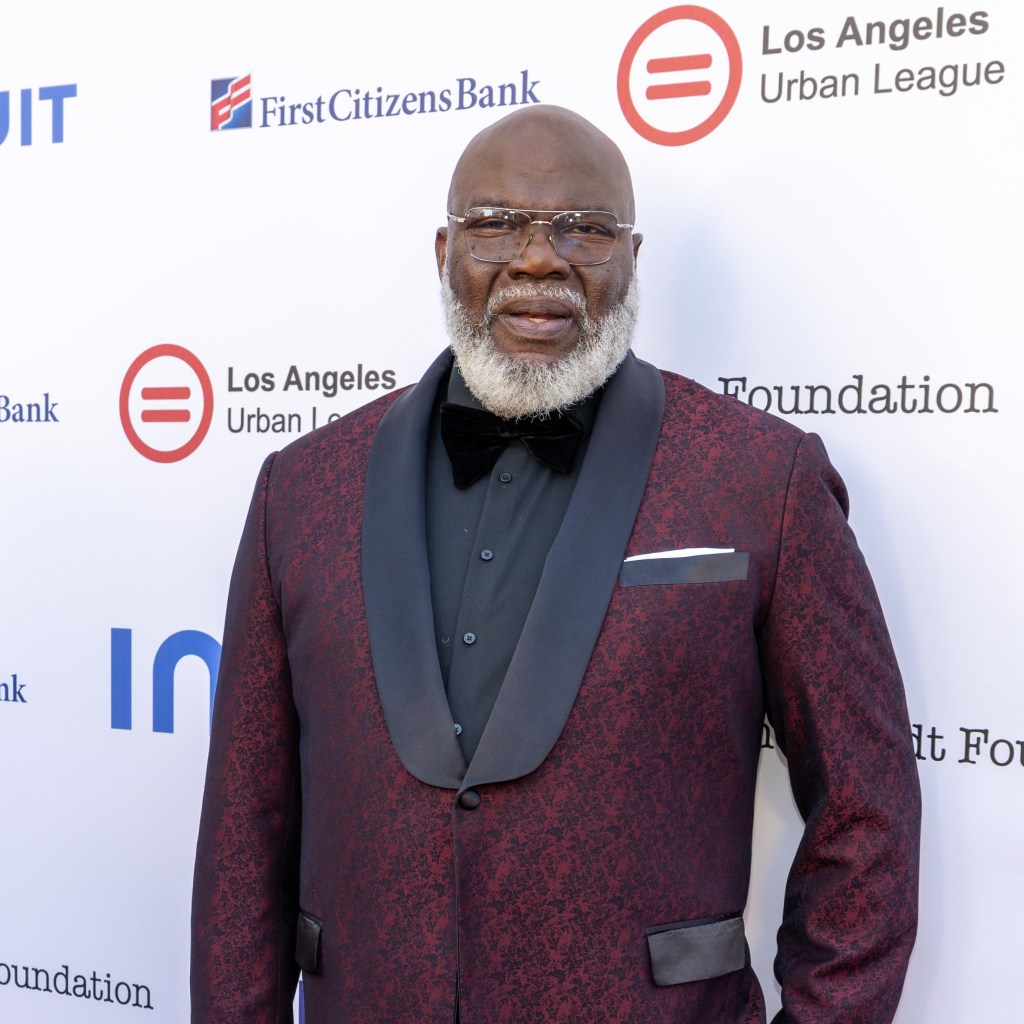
(536, 168)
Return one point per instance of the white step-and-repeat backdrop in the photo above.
(217, 233)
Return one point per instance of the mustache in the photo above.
(536, 290)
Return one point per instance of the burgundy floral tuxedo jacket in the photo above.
(591, 863)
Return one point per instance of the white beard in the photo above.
(512, 387)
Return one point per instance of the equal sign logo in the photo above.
(679, 75)
(166, 395)
(166, 403)
(678, 90)
(231, 103)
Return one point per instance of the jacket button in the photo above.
(470, 800)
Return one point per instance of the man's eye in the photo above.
(586, 229)
(492, 226)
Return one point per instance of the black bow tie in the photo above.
(474, 438)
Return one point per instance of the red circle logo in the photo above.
(161, 400)
(679, 75)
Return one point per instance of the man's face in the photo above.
(536, 172)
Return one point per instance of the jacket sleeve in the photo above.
(835, 699)
(244, 897)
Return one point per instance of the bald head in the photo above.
(543, 158)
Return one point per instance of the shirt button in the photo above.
(469, 638)
(470, 800)
(505, 478)
(486, 554)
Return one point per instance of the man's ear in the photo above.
(637, 239)
(441, 249)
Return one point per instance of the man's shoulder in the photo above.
(346, 441)
(690, 405)
(337, 447)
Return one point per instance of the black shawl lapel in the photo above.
(566, 616)
(578, 580)
(396, 589)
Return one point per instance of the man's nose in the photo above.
(539, 258)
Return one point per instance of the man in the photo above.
(476, 755)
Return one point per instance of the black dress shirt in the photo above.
(486, 547)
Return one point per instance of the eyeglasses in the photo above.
(583, 238)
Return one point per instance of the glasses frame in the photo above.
(552, 214)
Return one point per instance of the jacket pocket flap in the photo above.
(307, 943)
(696, 952)
(718, 568)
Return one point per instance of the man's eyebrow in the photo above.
(504, 204)
(501, 204)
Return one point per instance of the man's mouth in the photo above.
(538, 317)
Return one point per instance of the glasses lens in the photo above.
(585, 238)
(497, 236)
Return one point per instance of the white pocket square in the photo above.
(681, 553)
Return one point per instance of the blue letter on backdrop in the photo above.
(172, 650)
